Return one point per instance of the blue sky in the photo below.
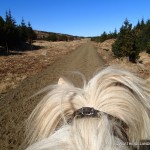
(76, 17)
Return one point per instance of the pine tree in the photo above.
(2, 34)
(23, 31)
(103, 37)
(124, 45)
(12, 35)
(30, 33)
(114, 33)
(10, 29)
(147, 36)
(142, 32)
(9, 19)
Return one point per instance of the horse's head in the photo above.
(111, 111)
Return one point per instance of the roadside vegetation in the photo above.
(13, 35)
(20, 37)
(54, 37)
(130, 41)
(105, 36)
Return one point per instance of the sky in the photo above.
(76, 17)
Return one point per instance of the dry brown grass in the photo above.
(141, 69)
(15, 68)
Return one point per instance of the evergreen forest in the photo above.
(130, 41)
(13, 35)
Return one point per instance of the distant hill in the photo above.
(60, 37)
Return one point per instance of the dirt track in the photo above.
(15, 108)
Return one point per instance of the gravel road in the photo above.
(15, 107)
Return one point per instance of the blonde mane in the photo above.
(112, 91)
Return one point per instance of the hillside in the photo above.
(44, 34)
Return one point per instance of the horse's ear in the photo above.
(61, 81)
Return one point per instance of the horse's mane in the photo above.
(113, 91)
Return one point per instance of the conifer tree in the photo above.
(23, 31)
(124, 45)
(142, 32)
(11, 33)
(30, 33)
(114, 33)
(2, 34)
(103, 37)
(147, 36)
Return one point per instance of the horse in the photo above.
(109, 112)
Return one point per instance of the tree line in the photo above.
(13, 35)
(105, 36)
(54, 37)
(60, 37)
(130, 41)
